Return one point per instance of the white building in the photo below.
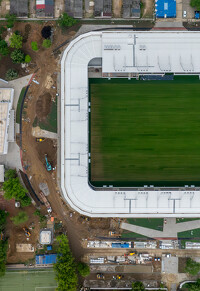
(123, 54)
(45, 237)
(6, 119)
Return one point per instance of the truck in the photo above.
(46, 202)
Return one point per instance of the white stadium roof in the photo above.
(128, 52)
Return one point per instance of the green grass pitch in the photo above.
(145, 132)
(28, 281)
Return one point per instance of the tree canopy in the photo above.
(192, 267)
(193, 286)
(65, 267)
(83, 269)
(138, 286)
(66, 21)
(3, 253)
(3, 216)
(4, 50)
(17, 56)
(13, 189)
(11, 18)
(195, 4)
(11, 74)
(16, 41)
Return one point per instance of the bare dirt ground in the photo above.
(15, 234)
(148, 8)
(33, 152)
(117, 7)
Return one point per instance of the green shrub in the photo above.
(27, 59)
(11, 74)
(46, 43)
(34, 46)
(16, 41)
(17, 56)
(4, 50)
(20, 218)
(66, 21)
(11, 18)
(83, 269)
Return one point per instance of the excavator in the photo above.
(48, 165)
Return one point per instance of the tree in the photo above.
(46, 31)
(20, 218)
(138, 286)
(16, 41)
(195, 4)
(13, 189)
(3, 216)
(11, 18)
(193, 286)
(17, 56)
(11, 74)
(65, 266)
(66, 21)
(27, 59)
(4, 50)
(46, 43)
(192, 267)
(83, 269)
(34, 46)
(3, 253)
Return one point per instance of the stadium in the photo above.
(130, 124)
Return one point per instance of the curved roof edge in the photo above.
(74, 139)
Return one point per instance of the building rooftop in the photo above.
(45, 236)
(6, 101)
(125, 53)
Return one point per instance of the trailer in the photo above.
(46, 202)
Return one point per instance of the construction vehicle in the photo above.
(100, 276)
(40, 139)
(119, 277)
(46, 202)
(48, 165)
(27, 232)
(114, 234)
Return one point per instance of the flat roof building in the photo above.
(6, 120)
(19, 8)
(45, 236)
(124, 54)
(165, 8)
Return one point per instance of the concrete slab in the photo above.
(170, 265)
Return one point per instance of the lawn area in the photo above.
(50, 124)
(145, 132)
(190, 234)
(19, 104)
(28, 281)
(179, 220)
(153, 223)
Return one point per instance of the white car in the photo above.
(184, 14)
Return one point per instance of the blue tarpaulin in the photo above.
(165, 8)
(45, 259)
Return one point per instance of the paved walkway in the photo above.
(170, 228)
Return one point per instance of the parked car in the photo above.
(184, 14)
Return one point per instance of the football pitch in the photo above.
(145, 132)
(42, 280)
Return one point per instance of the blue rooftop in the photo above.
(45, 259)
(165, 8)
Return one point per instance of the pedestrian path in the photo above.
(170, 228)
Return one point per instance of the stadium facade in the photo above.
(123, 54)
